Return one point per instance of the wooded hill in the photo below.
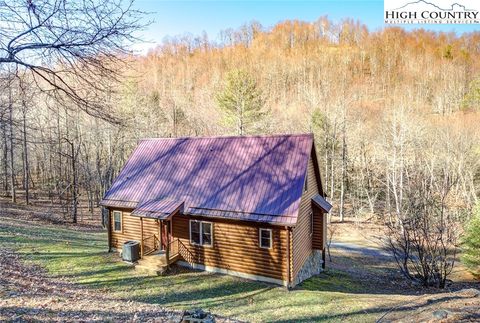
(390, 110)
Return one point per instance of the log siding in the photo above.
(236, 247)
(131, 227)
(319, 229)
(302, 239)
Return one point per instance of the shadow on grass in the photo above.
(182, 289)
(50, 256)
(379, 312)
(38, 314)
(109, 269)
(93, 268)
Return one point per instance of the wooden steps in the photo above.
(154, 264)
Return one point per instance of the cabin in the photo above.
(250, 206)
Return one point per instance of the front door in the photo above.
(166, 234)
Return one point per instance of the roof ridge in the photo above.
(230, 137)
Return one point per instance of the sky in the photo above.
(173, 18)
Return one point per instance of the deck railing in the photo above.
(173, 249)
(150, 244)
(185, 253)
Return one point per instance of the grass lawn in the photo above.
(80, 255)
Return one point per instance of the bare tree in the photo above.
(424, 241)
(70, 47)
(3, 126)
(26, 100)
(331, 230)
(11, 144)
(74, 184)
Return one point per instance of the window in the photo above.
(117, 221)
(206, 233)
(201, 233)
(195, 232)
(265, 237)
(305, 185)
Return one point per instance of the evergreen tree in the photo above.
(471, 243)
(472, 97)
(241, 100)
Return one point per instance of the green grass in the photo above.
(81, 256)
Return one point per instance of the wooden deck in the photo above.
(157, 262)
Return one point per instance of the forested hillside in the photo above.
(391, 111)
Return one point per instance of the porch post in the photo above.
(161, 234)
(141, 237)
(288, 257)
(167, 249)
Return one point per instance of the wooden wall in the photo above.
(131, 229)
(319, 229)
(302, 242)
(236, 247)
(235, 244)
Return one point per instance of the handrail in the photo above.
(186, 253)
(156, 242)
(147, 248)
(173, 248)
(149, 237)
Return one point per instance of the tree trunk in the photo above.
(332, 161)
(26, 170)
(344, 174)
(174, 120)
(5, 155)
(74, 182)
(242, 109)
(12, 166)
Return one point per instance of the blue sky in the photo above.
(172, 18)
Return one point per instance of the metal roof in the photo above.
(254, 178)
(321, 202)
(158, 209)
(119, 203)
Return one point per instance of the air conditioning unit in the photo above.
(131, 251)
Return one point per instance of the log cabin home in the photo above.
(250, 206)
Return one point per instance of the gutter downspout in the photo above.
(288, 258)
(141, 237)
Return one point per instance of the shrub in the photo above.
(423, 240)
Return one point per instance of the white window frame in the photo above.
(201, 233)
(121, 220)
(260, 238)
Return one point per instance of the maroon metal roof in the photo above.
(254, 178)
(119, 203)
(158, 209)
(321, 202)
